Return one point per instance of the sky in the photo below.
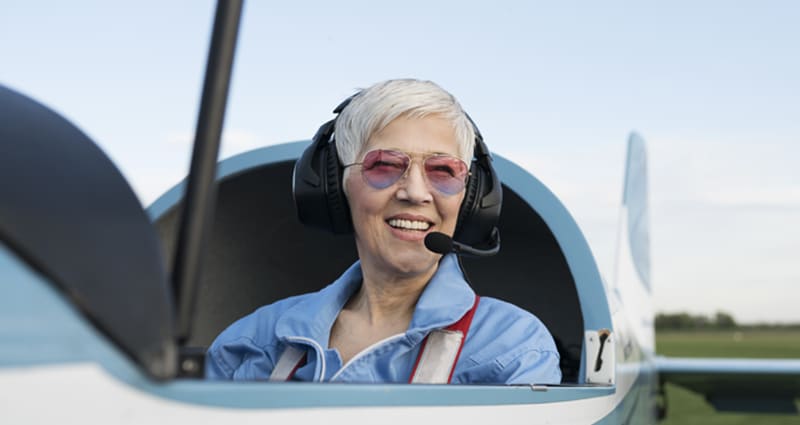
(712, 86)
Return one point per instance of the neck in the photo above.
(382, 307)
(385, 297)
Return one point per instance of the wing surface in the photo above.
(740, 385)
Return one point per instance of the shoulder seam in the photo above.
(213, 352)
(219, 361)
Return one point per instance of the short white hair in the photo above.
(373, 108)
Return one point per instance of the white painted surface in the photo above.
(85, 394)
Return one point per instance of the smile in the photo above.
(408, 224)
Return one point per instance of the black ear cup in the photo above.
(471, 191)
(338, 208)
(319, 190)
(317, 185)
(483, 198)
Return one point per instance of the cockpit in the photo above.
(258, 252)
(87, 240)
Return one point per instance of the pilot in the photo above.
(394, 166)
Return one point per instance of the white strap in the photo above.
(287, 363)
(438, 357)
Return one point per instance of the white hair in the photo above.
(372, 109)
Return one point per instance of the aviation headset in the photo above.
(321, 202)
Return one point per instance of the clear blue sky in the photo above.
(713, 86)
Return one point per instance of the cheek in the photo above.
(457, 203)
(362, 206)
(354, 192)
(450, 208)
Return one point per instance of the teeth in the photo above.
(409, 224)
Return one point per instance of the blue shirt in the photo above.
(504, 345)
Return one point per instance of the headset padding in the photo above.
(483, 197)
(338, 208)
(317, 191)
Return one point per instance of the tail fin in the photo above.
(634, 231)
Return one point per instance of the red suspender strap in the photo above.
(300, 364)
(463, 326)
(458, 330)
(291, 359)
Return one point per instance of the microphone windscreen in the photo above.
(439, 243)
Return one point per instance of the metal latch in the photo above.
(600, 362)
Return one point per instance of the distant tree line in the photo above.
(686, 321)
(719, 321)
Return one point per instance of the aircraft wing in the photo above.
(740, 385)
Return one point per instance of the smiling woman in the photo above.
(390, 225)
(402, 313)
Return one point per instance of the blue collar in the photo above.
(444, 300)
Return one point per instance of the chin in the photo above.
(412, 262)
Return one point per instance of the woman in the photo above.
(402, 313)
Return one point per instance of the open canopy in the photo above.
(259, 252)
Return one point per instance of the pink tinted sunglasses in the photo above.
(383, 168)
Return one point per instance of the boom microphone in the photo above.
(443, 244)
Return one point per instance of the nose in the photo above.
(414, 186)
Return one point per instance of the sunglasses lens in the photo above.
(446, 173)
(382, 169)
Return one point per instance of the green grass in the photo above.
(771, 344)
(686, 407)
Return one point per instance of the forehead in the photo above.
(429, 134)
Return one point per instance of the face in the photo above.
(391, 223)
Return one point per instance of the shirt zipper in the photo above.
(364, 352)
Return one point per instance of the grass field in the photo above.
(685, 407)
